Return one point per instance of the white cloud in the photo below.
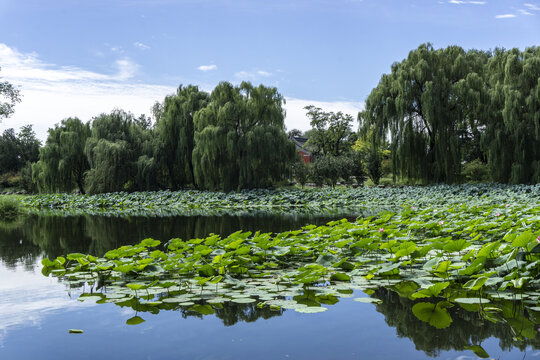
(243, 75)
(532, 6)
(51, 93)
(251, 75)
(524, 12)
(207, 67)
(296, 114)
(126, 69)
(141, 46)
(462, 2)
(505, 16)
(117, 49)
(42, 296)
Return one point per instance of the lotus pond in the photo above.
(457, 277)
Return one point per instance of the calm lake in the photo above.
(36, 312)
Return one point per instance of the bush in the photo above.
(9, 207)
(300, 172)
(11, 180)
(476, 171)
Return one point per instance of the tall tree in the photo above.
(512, 136)
(62, 162)
(29, 144)
(331, 133)
(9, 152)
(175, 134)
(240, 139)
(16, 149)
(113, 150)
(422, 107)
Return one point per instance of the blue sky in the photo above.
(81, 58)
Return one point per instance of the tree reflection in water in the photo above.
(26, 238)
(467, 328)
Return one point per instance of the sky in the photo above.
(84, 58)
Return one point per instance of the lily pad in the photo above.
(310, 309)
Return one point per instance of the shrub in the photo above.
(9, 207)
(476, 171)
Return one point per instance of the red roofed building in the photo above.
(301, 148)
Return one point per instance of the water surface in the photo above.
(36, 312)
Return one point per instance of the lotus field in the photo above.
(449, 249)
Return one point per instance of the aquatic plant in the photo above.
(339, 200)
(440, 258)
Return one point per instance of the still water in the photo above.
(36, 312)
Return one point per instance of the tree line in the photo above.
(231, 139)
(447, 110)
(440, 115)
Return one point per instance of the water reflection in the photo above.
(24, 239)
(467, 328)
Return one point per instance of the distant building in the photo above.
(301, 148)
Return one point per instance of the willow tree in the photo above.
(62, 161)
(116, 150)
(175, 134)
(422, 106)
(512, 136)
(240, 139)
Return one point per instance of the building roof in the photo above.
(300, 143)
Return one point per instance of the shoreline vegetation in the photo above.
(316, 200)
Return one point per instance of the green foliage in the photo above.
(329, 169)
(476, 171)
(326, 170)
(240, 139)
(175, 134)
(12, 95)
(113, 150)
(300, 172)
(62, 162)
(426, 104)
(354, 200)
(444, 107)
(10, 180)
(374, 166)
(512, 135)
(9, 207)
(331, 133)
(435, 253)
(18, 149)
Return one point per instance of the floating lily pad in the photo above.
(472, 300)
(243, 300)
(89, 298)
(368, 300)
(310, 309)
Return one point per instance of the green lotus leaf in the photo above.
(340, 277)
(136, 320)
(310, 309)
(472, 300)
(243, 300)
(203, 309)
(433, 314)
